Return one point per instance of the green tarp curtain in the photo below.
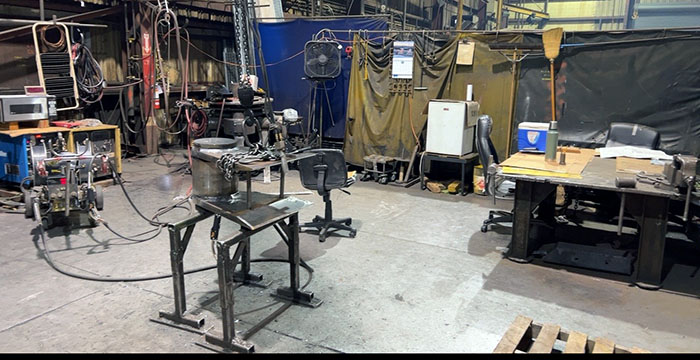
(384, 123)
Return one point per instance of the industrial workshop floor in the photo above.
(419, 277)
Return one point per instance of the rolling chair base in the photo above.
(324, 225)
(503, 217)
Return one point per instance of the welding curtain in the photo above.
(644, 77)
(283, 45)
(385, 123)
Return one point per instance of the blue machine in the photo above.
(15, 161)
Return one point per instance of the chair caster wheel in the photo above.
(348, 222)
(322, 238)
(484, 228)
(353, 233)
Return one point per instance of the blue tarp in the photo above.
(282, 40)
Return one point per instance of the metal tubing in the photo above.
(621, 215)
(223, 261)
(294, 252)
(178, 272)
(405, 5)
(249, 191)
(23, 21)
(69, 182)
(282, 172)
(691, 183)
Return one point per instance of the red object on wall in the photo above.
(147, 62)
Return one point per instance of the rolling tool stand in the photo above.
(254, 212)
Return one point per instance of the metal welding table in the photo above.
(647, 204)
(464, 160)
(254, 212)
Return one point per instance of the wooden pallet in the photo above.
(525, 336)
(40, 124)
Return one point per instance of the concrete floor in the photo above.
(419, 277)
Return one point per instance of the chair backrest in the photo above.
(484, 145)
(336, 173)
(632, 134)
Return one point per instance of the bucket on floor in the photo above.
(479, 184)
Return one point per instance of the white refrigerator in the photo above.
(451, 127)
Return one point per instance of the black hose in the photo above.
(159, 229)
(134, 279)
(128, 198)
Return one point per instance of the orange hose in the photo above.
(410, 119)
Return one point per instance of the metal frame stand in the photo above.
(178, 246)
(226, 265)
(464, 160)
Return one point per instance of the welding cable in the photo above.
(159, 229)
(198, 123)
(47, 257)
(128, 198)
(89, 76)
(58, 45)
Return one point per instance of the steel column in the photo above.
(651, 213)
(293, 292)
(528, 195)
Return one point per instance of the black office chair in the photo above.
(487, 156)
(324, 172)
(621, 134)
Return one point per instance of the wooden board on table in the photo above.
(575, 162)
(33, 131)
(532, 172)
(633, 166)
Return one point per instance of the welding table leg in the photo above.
(293, 292)
(244, 275)
(528, 195)
(651, 213)
(178, 246)
(227, 339)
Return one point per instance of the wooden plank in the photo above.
(636, 350)
(576, 343)
(545, 340)
(575, 162)
(513, 335)
(32, 131)
(532, 172)
(603, 346)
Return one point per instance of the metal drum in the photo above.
(207, 180)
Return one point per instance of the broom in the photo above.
(551, 40)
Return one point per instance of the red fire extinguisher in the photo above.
(156, 96)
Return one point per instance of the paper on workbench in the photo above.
(633, 152)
